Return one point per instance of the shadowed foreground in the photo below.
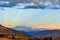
(28, 38)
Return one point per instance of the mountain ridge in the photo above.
(9, 32)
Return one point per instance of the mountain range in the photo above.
(26, 28)
(38, 32)
(45, 33)
(35, 33)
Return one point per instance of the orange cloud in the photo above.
(47, 26)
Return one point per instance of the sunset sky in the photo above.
(35, 18)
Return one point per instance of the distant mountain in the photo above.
(38, 32)
(9, 32)
(45, 33)
(27, 28)
(22, 28)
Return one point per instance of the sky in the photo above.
(35, 18)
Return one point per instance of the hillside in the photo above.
(45, 33)
(9, 32)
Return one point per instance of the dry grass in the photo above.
(28, 38)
